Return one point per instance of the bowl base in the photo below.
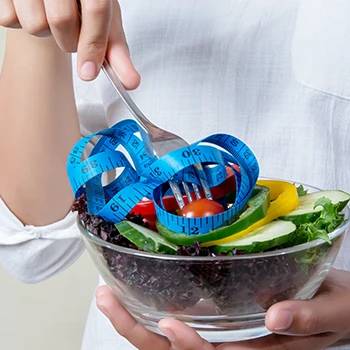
(218, 331)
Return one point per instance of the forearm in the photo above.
(39, 125)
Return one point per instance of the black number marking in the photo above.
(127, 180)
(157, 171)
(219, 176)
(122, 199)
(186, 154)
(113, 141)
(114, 207)
(234, 142)
(85, 169)
(135, 144)
(143, 155)
(247, 154)
(196, 151)
(194, 230)
(90, 164)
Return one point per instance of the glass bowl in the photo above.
(223, 298)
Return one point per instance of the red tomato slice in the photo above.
(146, 206)
(200, 208)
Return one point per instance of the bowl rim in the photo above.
(278, 252)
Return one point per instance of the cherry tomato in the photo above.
(201, 207)
(146, 207)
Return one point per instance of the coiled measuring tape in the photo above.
(147, 176)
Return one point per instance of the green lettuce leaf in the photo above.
(328, 221)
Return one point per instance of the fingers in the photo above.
(32, 17)
(126, 325)
(280, 342)
(96, 18)
(118, 52)
(8, 16)
(316, 316)
(64, 22)
(328, 311)
(183, 337)
(95, 33)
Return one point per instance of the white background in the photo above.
(49, 315)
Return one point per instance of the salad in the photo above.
(180, 287)
(278, 215)
(246, 216)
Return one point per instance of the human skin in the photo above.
(38, 118)
(39, 125)
(296, 325)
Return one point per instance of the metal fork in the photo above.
(161, 140)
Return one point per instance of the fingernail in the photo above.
(168, 333)
(103, 309)
(88, 70)
(99, 293)
(284, 320)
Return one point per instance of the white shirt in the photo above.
(273, 73)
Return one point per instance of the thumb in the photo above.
(326, 312)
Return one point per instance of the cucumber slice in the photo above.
(257, 208)
(305, 212)
(265, 237)
(145, 238)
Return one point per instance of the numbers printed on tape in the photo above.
(148, 176)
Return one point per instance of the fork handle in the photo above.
(129, 103)
(148, 125)
(116, 83)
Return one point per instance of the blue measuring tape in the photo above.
(145, 176)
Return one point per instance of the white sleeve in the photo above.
(32, 254)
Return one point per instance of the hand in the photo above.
(97, 34)
(297, 325)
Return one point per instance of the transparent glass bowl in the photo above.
(222, 298)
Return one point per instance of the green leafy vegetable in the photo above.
(327, 222)
(309, 232)
(301, 191)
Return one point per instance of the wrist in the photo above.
(20, 45)
(35, 57)
(21, 37)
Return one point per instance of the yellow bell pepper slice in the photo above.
(285, 199)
